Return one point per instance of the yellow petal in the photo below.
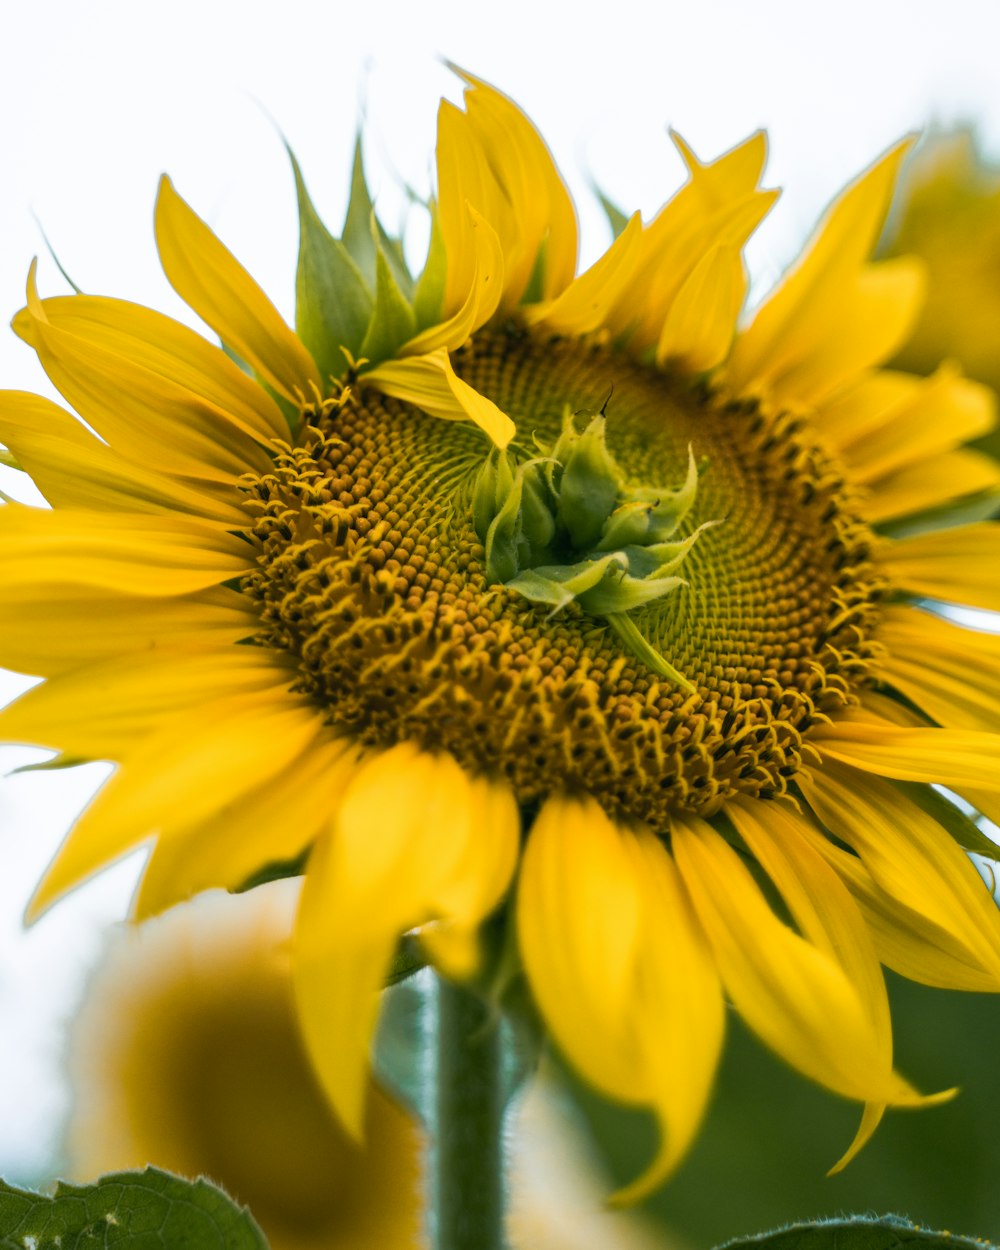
(402, 850)
(679, 1011)
(431, 384)
(779, 839)
(142, 412)
(720, 205)
(930, 484)
(947, 757)
(479, 880)
(206, 275)
(906, 940)
(103, 710)
(818, 281)
(135, 554)
(699, 328)
(492, 157)
(667, 260)
(178, 777)
(795, 995)
(716, 183)
(485, 289)
(913, 862)
(271, 823)
(46, 630)
(950, 672)
(585, 304)
(165, 347)
(73, 469)
(883, 427)
(859, 326)
(958, 565)
(579, 915)
(620, 970)
(819, 902)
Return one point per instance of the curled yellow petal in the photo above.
(914, 864)
(431, 384)
(492, 157)
(485, 289)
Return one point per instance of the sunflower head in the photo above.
(196, 1065)
(947, 212)
(510, 567)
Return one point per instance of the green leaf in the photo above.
(393, 321)
(616, 218)
(857, 1232)
(357, 236)
(333, 303)
(428, 298)
(363, 240)
(149, 1210)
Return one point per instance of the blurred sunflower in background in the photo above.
(947, 212)
(186, 1054)
(514, 592)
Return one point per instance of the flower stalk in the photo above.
(468, 1164)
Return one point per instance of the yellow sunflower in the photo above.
(947, 212)
(195, 1064)
(517, 592)
(186, 1055)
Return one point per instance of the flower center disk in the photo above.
(371, 573)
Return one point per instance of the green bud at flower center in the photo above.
(565, 527)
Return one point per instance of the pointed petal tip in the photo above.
(871, 1118)
(668, 1159)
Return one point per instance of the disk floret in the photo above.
(564, 527)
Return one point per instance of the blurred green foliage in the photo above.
(770, 1137)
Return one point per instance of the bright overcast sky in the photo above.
(97, 99)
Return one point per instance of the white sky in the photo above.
(97, 99)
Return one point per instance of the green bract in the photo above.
(355, 299)
(563, 528)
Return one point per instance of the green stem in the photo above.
(468, 1163)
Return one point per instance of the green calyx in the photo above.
(356, 302)
(563, 528)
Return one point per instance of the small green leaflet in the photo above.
(333, 303)
(149, 1210)
(859, 1232)
(617, 220)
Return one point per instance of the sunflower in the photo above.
(947, 212)
(196, 1065)
(547, 598)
